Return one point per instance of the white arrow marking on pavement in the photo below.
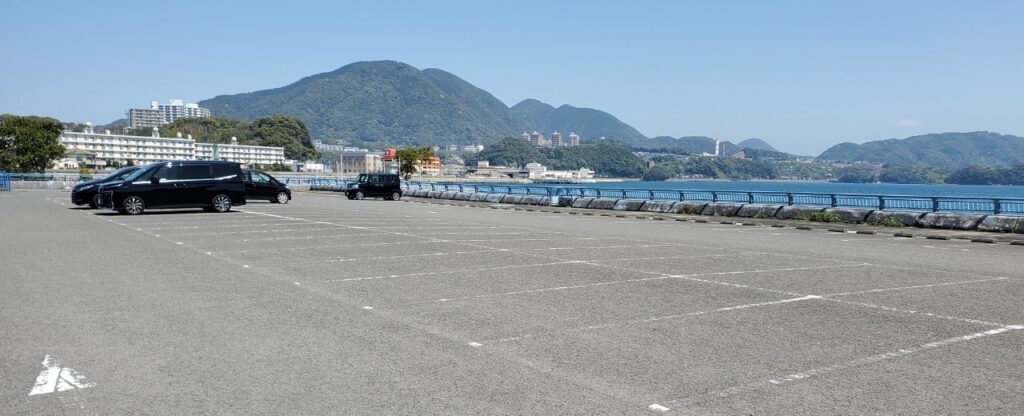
(54, 378)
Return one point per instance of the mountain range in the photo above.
(941, 150)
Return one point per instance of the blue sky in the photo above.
(803, 75)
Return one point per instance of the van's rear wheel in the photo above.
(221, 203)
(133, 205)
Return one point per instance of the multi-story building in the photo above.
(556, 139)
(159, 114)
(353, 161)
(147, 149)
(574, 139)
(429, 166)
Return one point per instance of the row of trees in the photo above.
(29, 143)
(278, 131)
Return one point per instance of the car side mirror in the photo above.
(154, 180)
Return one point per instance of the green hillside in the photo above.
(941, 150)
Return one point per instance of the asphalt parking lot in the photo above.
(332, 306)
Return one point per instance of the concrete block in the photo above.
(658, 206)
(434, 194)
(461, 196)
(628, 204)
(581, 202)
(1002, 224)
(511, 199)
(565, 201)
(688, 207)
(495, 198)
(721, 209)
(448, 195)
(857, 215)
(758, 211)
(950, 220)
(532, 200)
(477, 197)
(798, 212)
(907, 218)
(602, 203)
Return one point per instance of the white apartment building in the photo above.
(148, 149)
(159, 114)
(354, 161)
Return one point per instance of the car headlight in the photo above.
(86, 187)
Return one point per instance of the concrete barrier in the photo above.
(42, 184)
(628, 204)
(950, 220)
(857, 215)
(477, 197)
(461, 196)
(533, 200)
(434, 194)
(688, 207)
(721, 209)
(798, 212)
(495, 198)
(564, 201)
(582, 202)
(511, 199)
(907, 218)
(758, 211)
(448, 195)
(602, 203)
(1002, 224)
(658, 206)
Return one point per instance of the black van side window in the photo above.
(224, 171)
(195, 172)
(168, 172)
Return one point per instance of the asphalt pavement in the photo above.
(331, 306)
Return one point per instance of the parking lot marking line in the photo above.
(531, 291)
(912, 312)
(517, 266)
(313, 237)
(820, 371)
(326, 246)
(276, 230)
(403, 256)
(892, 289)
(658, 408)
(596, 327)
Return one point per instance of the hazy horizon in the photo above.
(802, 77)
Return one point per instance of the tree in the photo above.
(659, 173)
(29, 143)
(409, 157)
(284, 131)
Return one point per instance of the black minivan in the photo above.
(260, 185)
(211, 185)
(88, 192)
(386, 185)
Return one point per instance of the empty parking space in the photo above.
(487, 309)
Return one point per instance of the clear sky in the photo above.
(803, 75)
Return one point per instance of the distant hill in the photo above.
(692, 144)
(755, 143)
(381, 101)
(586, 122)
(942, 150)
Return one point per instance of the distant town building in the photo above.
(429, 166)
(159, 114)
(538, 139)
(539, 172)
(122, 148)
(354, 161)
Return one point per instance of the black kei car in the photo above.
(210, 185)
(387, 185)
(260, 185)
(86, 193)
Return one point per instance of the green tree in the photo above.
(857, 174)
(284, 131)
(29, 143)
(512, 152)
(659, 173)
(409, 157)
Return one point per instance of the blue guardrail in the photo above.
(1005, 206)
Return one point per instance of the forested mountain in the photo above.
(755, 143)
(691, 144)
(586, 122)
(381, 101)
(941, 150)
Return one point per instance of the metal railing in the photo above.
(5, 181)
(1008, 206)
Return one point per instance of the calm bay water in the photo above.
(966, 191)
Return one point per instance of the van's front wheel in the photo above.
(221, 203)
(133, 205)
(396, 196)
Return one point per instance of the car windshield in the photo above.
(144, 170)
(362, 178)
